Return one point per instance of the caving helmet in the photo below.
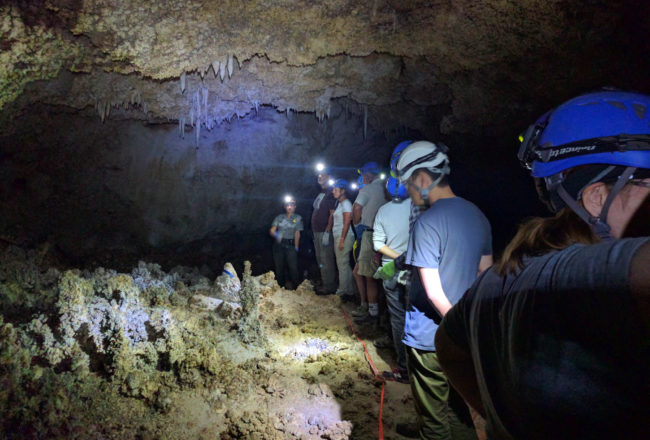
(395, 156)
(395, 189)
(427, 155)
(369, 167)
(596, 137)
(341, 183)
(359, 184)
(289, 200)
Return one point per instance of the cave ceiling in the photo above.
(469, 66)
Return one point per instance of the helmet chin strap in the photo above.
(597, 223)
(424, 192)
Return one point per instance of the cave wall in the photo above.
(131, 125)
(90, 185)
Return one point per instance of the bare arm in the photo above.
(433, 287)
(388, 252)
(356, 213)
(459, 368)
(640, 282)
(347, 217)
(272, 231)
(330, 221)
(296, 239)
(485, 263)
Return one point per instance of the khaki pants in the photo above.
(325, 260)
(367, 267)
(346, 283)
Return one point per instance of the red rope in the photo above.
(374, 369)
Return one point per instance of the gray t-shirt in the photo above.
(558, 348)
(337, 220)
(371, 197)
(451, 236)
(392, 227)
(287, 226)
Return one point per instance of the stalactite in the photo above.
(215, 68)
(182, 82)
(365, 121)
(231, 65)
(222, 70)
(205, 104)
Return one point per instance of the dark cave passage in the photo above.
(146, 148)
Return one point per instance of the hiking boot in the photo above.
(360, 311)
(383, 342)
(367, 319)
(323, 292)
(410, 430)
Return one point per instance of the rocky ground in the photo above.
(153, 354)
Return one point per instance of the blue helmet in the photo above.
(369, 167)
(360, 183)
(396, 190)
(395, 156)
(606, 134)
(341, 183)
(608, 127)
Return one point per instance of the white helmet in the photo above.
(423, 154)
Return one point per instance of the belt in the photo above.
(287, 240)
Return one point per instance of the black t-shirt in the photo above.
(323, 204)
(558, 348)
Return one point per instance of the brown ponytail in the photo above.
(540, 235)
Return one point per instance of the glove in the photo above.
(386, 272)
(403, 277)
(326, 239)
(400, 262)
(276, 234)
(296, 248)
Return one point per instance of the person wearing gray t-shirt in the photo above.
(449, 245)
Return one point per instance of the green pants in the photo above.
(442, 413)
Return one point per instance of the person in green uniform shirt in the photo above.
(285, 229)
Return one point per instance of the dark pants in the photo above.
(395, 300)
(286, 257)
(442, 412)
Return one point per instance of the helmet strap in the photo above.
(597, 223)
(424, 192)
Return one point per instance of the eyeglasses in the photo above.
(640, 183)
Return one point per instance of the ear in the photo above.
(593, 198)
(421, 178)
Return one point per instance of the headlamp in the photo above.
(320, 167)
(354, 186)
(330, 182)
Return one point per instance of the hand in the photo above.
(325, 241)
(296, 248)
(400, 262)
(341, 241)
(277, 236)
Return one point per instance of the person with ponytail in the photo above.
(552, 342)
